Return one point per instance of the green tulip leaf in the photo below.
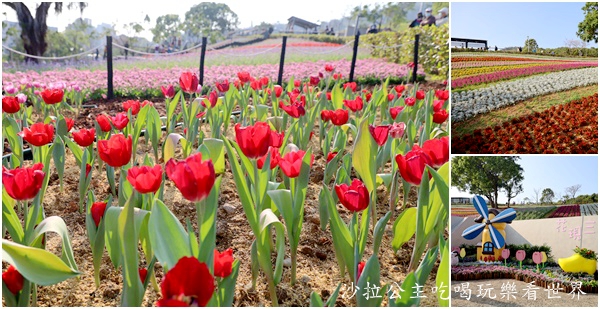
(167, 236)
(364, 156)
(404, 227)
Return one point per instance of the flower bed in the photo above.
(478, 71)
(566, 211)
(492, 58)
(475, 64)
(568, 128)
(589, 209)
(467, 104)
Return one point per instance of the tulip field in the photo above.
(496, 104)
(245, 193)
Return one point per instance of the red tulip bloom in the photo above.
(84, 137)
(420, 95)
(337, 76)
(193, 177)
(412, 165)
(278, 90)
(199, 116)
(410, 101)
(134, 105)
(263, 81)
(255, 84)
(104, 123)
(38, 134)
(52, 96)
(143, 273)
(314, 80)
(223, 86)
(291, 163)
(188, 283)
(223, 263)
(13, 280)
(395, 111)
(70, 123)
(354, 105)
(397, 130)
(354, 197)
(275, 158)
(438, 150)
(399, 89)
(440, 116)
(328, 94)
(368, 96)
(213, 98)
(297, 83)
(88, 169)
(168, 91)
(329, 68)
(254, 141)
(379, 133)
(97, 211)
(352, 86)
(437, 105)
(295, 110)
(442, 94)
(23, 183)
(326, 115)
(145, 179)
(188, 82)
(10, 105)
(277, 139)
(244, 77)
(120, 121)
(391, 97)
(330, 156)
(115, 151)
(361, 267)
(339, 117)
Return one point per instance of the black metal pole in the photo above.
(354, 54)
(109, 68)
(281, 61)
(416, 59)
(202, 53)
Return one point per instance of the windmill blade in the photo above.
(505, 216)
(473, 231)
(497, 238)
(481, 206)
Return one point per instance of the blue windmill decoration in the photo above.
(506, 216)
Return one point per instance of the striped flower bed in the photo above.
(494, 69)
(476, 64)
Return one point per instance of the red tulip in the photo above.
(188, 82)
(326, 115)
(437, 105)
(223, 86)
(277, 139)
(368, 95)
(442, 94)
(104, 123)
(420, 95)
(278, 90)
(193, 177)
(199, 116)
(23, 183)
(440, 116)
(412, 165)
(295, 110)
(223, 263)
(399, 89)
(70, 123)
(275, 158)
(146, 102)
(352, 86)
(297, 83)
(10, 105)
(143, 273)
(397, 130)
(52, 96)
(264, 81)
(361, 267)
(255, 84)
(244, 77)
(379, 133)
(213, 98)
(115, 151)
(314, 80)
(38, 134)
(168, 91)
(438, 150)
(84, 137)
(13, 280)
(254, 141)
(410, 101)
(395, 111)
(134, 105)
(391, 97)
(120, 121)
(188, 283)
(339, 117)
(329, 68)
(97, 210)
(354, 105)
(354, 197)
(337, 76)
(291, 163)
(145, 179)
(88, 169)
(330, 156)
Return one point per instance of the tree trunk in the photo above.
(33, 30)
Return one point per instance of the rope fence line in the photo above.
(157, 54)
(51, 58)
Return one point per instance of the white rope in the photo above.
(300, 49)
(51, 58)
(158, 54)
(244, 55)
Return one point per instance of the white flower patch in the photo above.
(467, 104)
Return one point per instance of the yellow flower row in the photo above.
(491, 69)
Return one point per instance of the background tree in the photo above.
(58, 44)
(210, 19)
(547, 196)
(33, 29)
(395, 14)
(369, 14)
(588, 28)
(536, 194)
(485, 176)
(526, 200)
(530, 45)
(167, 28)
(79, 33)
(513, 187)
(572, 190)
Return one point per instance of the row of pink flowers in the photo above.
(509, 74)
(477, 64)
